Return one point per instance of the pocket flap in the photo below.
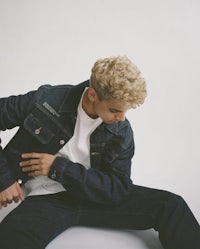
(36, 128)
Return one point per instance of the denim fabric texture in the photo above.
(46, 120)
(39, 219)
(102, 196)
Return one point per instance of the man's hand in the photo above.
(37, 163)
(12, 193)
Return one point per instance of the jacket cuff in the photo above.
(57, 169)
(6, 181)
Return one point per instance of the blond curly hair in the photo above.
(118, 78)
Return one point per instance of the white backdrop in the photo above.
(57, 42)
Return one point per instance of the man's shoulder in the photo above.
(62, 87)
(59, 91)
(59, 95)
(48, 88)
(123, 127)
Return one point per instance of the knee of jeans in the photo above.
(177, 202)
(176, 198)
(179, 199)
(173, 205)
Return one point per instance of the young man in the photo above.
(72, 153)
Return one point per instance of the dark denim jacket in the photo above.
(46, 120)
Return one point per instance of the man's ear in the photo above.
(92, 95)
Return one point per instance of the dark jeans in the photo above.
(39, 219)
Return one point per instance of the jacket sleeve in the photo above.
(13, 109)
(108, 185)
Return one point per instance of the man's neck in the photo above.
(87, 106)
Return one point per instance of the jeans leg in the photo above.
(147, 208)
(37, 221)
(177, 225)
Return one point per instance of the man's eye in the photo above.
(113, 111)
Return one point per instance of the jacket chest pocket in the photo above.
(38, 129)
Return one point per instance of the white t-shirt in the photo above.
(76, 150)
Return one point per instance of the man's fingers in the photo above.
(30, 162)
(37, 163)
(12, 193)
(35, 173)
(16, 199)
(30, 168)
(20, 194)
(3, 204)
(9, 201)
(31, 155)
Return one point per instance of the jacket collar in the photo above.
(72, 98)
(71, 102)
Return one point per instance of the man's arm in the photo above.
(108, 186)
(12, 112)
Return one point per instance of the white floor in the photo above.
(98, 238)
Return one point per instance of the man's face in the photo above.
(110, 111)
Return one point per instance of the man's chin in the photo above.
(110, 122)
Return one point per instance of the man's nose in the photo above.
(120, 116)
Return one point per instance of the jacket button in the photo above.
(19, 181)
(62, 141)
(37, 131)
(53, 176)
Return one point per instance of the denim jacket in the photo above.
(46, 119)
